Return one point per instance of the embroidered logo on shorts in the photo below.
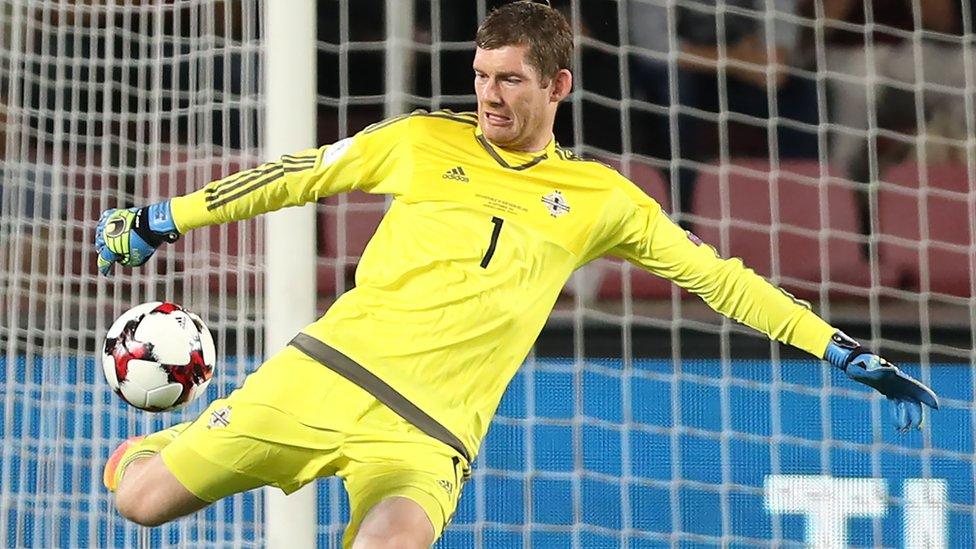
(446, 485)
(219, 417)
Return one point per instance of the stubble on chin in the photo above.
(502, 139)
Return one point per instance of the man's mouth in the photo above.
(497, 119)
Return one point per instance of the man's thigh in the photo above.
(235, 446)
(263, 433)
(150, 495)
(395, 522)
(425, 472)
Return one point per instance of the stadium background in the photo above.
(640, 419)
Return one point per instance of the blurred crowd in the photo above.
(802, 79)
(856, 85)
(786, 78)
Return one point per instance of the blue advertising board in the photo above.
(743, 453)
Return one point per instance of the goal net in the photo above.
(828, 144)
(110, 104)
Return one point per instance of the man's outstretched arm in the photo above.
(651, 240)
(367, 162)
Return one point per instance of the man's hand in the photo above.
(905, 393)
(130, 237)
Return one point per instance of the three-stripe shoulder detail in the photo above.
(248, 181)
(467, 118)
(384, 123)
(570, 156)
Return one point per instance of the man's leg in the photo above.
(180, 470)
(400, 503)
(395, 522)
(146, 492)
(251, 438)
(149, 495)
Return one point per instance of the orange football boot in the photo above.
(113, 473)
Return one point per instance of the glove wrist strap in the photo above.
(841, 350)
(157, 214)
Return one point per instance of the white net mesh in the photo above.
(107, 105)
(641, 418)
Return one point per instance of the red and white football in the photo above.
(158, 356)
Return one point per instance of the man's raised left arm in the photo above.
(649, 239)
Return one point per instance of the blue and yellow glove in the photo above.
(130, 237)
(905, 393)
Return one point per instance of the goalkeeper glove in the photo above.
(130, 237)
(905, 393)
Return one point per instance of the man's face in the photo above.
(513, 103)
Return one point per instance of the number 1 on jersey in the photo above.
(494, 240)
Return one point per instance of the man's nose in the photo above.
(490, 93)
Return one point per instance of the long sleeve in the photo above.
(368, 161)
(649, 239)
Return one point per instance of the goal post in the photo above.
(289, 99)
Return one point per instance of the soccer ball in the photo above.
(158, 356)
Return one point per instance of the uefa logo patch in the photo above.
(336, 151)
(556, 203)
(219, 417)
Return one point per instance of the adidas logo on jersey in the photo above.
(456, 174)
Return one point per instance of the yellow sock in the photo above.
(138, 449)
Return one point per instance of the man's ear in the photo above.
(562, 85)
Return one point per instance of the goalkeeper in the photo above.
(394, 388)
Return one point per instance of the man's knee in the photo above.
(396, 522)
(149, 494)
(137, 509)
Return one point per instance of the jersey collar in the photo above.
(511, 159)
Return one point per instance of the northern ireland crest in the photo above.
(556, 203)
(219, 418)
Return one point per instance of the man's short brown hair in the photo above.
(524, 23)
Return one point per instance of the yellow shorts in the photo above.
(294, 421)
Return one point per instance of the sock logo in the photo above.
(456, 174)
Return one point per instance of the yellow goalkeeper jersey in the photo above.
(464, 269)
